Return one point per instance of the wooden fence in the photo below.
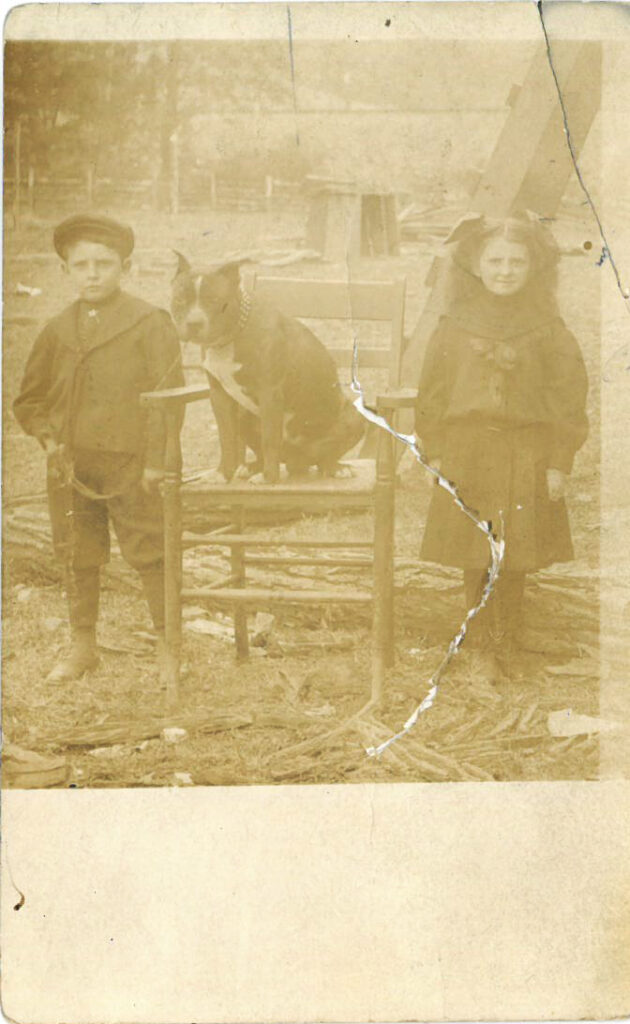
(198, 190)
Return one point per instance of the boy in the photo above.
(80, 397)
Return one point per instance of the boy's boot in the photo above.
(153, 589)
(83, 595)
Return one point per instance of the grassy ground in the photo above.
(313, 670)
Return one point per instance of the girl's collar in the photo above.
(499, 317)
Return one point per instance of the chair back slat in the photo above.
(369, 358)
(375, 301)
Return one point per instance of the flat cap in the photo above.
(87, 227)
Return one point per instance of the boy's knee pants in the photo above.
(80, 525)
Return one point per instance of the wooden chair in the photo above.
(372, 486)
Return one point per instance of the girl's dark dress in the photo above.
(501, 399)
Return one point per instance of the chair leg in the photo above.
(237, 562)
(383, 622)
(172, 561)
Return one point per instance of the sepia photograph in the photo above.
(315, 472)
(301, 411)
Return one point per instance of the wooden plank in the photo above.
(524, 131)
(552, 163)
(256, 595)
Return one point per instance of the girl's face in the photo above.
(504, 266)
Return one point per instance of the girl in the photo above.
(501, 411)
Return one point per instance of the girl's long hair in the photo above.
(472, 234)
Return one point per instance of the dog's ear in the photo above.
(232, 271)
(183, 266)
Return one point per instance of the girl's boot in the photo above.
(509, 622)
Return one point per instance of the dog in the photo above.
(273, 384)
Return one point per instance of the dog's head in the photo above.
(206, 303)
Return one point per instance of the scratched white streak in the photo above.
(496, 546)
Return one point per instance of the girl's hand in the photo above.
(151, 478)
(55, 459)
(556, 484)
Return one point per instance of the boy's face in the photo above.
(504, 266)
(94, 269)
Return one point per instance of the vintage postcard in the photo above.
(316, 606)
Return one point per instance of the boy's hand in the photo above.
(55, 458)
(151, 479)
(556, 484)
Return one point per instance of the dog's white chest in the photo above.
(220, 364)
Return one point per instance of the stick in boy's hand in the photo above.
(556, 484)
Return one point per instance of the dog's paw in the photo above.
(266, 478)
(342, 471)
(205, 476)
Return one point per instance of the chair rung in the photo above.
(252, 541)
(353, 563)
(255, 595)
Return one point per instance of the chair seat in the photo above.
(314, 490)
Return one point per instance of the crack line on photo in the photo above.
(607, 252)
(496, 545)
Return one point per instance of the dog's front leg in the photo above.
(226, 413)
(271, 406)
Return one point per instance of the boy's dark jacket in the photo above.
(87, 394)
